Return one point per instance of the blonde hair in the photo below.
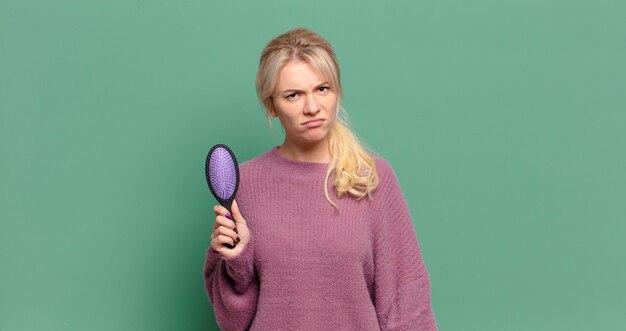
(354, 167)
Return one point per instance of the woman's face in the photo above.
(305, 103)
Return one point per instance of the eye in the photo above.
(291, 96)
(324, 88)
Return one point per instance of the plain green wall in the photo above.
(504, 120)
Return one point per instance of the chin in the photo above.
(317, 135)
(314, 141)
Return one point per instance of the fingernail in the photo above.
(229, 216)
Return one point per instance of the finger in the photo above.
(220, 210)
(227, 232)
(223, 221)
(222, 240)
(217, 232)
(236, 213)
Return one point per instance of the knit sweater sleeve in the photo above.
(232, 287)
(402, 284)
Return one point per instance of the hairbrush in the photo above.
(222, 175)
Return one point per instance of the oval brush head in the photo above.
(222, 175)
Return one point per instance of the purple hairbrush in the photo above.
(222, 175)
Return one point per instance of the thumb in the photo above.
(236, 214)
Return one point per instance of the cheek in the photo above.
(285, 114)
(332, 108)
(331, 103)
(289, 108)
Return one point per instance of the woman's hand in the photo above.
(224, 231)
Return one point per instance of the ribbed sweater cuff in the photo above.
(241, 267)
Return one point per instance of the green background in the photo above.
(504, 120)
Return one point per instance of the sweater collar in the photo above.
(289, 167)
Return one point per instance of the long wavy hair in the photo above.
(354, 168)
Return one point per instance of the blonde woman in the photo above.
(324, 239)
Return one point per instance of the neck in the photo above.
(315, 153)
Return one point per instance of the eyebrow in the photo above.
(297, 90)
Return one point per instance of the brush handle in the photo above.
(229, 206)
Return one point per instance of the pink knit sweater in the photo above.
(309, 266)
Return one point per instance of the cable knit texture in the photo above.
(309, 266)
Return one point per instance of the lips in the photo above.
(314, 121)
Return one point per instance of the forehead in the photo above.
(299, 74)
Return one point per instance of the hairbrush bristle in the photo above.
(222, 172)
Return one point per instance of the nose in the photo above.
(311, 106)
